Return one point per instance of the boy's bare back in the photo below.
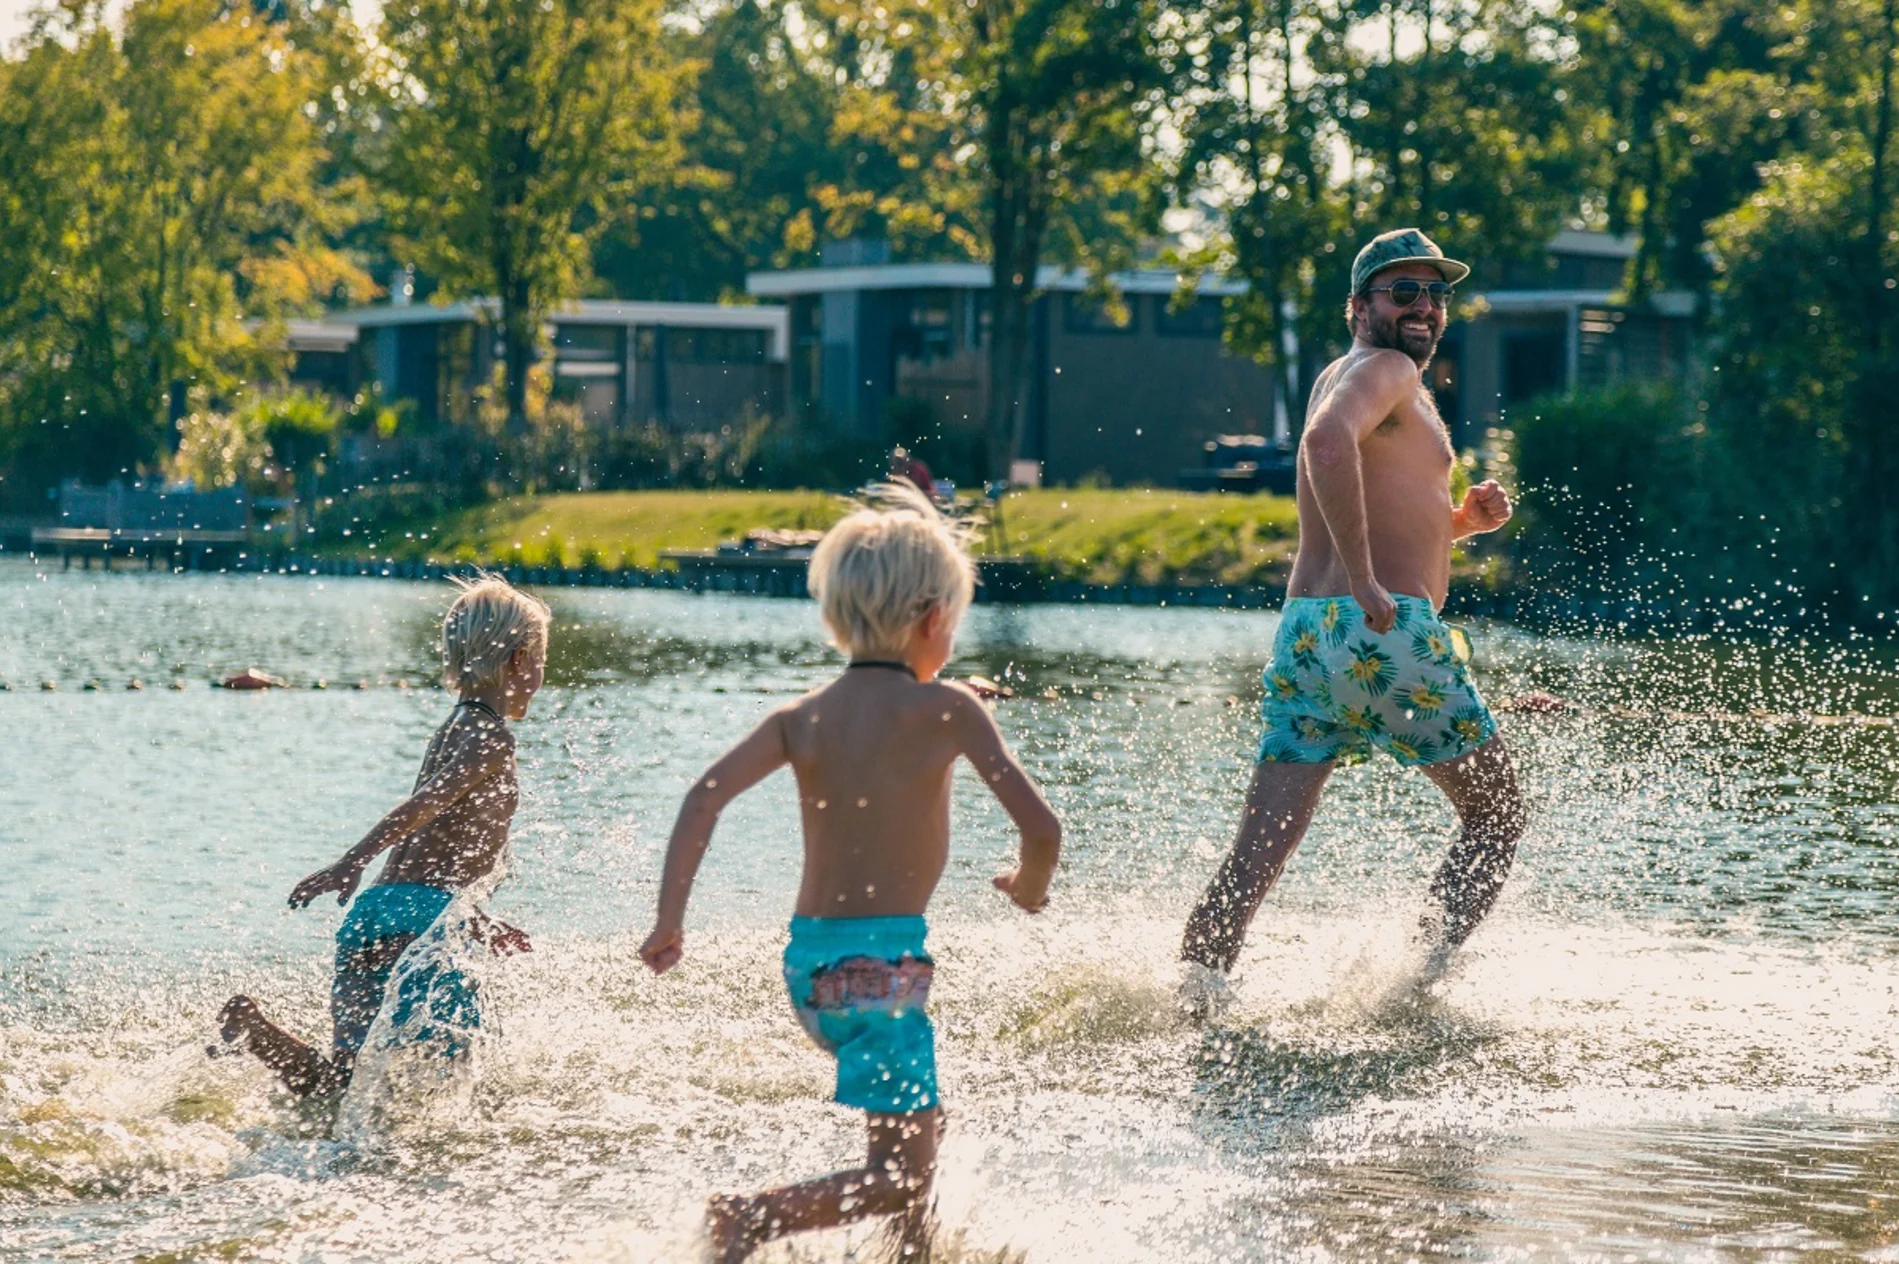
(873, 752)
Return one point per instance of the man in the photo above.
(1361, 659)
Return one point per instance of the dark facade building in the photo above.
(1555, 327)
(1132, 401)
(688, 366)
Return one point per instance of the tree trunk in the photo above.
(517, 340)
(1877, 302)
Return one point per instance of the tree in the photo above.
(517, 132)
(1258, 158)
(1061, 98)
(757, 150)
(1459, 120)
(156, 188)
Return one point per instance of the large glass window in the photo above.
(1084, 314)
(1201, 318)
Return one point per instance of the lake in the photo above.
(1673, 1040)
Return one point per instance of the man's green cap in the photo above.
(1402, 245)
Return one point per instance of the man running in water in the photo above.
(1361, 659)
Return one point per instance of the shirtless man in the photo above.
(1361, 659)
(448, 834)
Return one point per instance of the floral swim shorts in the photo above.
(1336, 689)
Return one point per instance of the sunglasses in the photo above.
(1405, 293)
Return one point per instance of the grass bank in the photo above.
(1101, 536)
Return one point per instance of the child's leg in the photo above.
(895, 1180)
(302, 1069)
(355, 999)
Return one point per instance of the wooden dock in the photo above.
(181, 549)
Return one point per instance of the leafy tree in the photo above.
(1459, 119)
(1258, 157)
(517, 132)
(156, 188)
(758, 147)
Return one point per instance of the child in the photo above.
(448, 834)
(872, 753)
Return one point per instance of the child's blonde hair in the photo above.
(881, 569)
(489, 621)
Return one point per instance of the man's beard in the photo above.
(1385, 333)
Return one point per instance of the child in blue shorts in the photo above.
(872, 753)
(448, 834)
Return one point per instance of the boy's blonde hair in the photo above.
(489, 621)
(881, 569)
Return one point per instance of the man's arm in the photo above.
(1369, 392)
(474, 764)
(761, 753)
(1486, 507)
(982, 745)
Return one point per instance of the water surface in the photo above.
(1672, 1041)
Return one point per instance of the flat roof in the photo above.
(1667, 303)
(766, 317)
(963, 276)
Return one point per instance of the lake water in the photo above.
(1674, 1040)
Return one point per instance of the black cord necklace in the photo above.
(905, 668)
(477, 702)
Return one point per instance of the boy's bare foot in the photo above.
(235, 1022)
(735, 1225)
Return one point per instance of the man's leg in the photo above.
(1482, 786)
(1279, 806)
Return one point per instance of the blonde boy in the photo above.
(448, 834)
(872, 752)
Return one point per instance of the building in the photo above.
(688, 366)
(1131, 401)
(1554, 327)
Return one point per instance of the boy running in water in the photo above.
(872, 752)
(447, 835)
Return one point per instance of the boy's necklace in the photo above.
(477, 702)
(905, 668)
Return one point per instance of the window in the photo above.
(1201, 318)
(1083, 314)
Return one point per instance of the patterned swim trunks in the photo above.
(1336, 689)
(861, 988)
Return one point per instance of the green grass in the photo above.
(610, 529)
(1150, 535)
(1137, 535)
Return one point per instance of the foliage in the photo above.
(757, 149)
(299, 426)
(517, 131)
(157, 191)
(217, 450)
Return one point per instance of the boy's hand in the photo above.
(1029, 896)
(662, 950)
(502, 939)
(339, 878)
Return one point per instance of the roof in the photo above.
(1668, 303)
(769, 318)
(963, 276)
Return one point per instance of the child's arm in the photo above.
(744, 766)
(1041, 831)
(473, 765)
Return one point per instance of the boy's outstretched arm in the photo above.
(760, 754)
(982, 745)
(472, 766)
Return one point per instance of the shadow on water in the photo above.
(1407, 1045)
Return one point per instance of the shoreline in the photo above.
(1013, 582)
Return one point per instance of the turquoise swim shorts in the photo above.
(1335, 689)
(433, 1000)
(860, 986)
